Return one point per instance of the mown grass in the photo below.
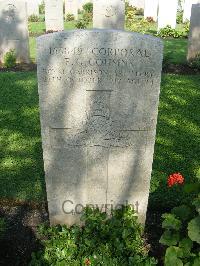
(177, 142)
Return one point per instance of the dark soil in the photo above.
(180, 69)
(19, 240)
(19, 67)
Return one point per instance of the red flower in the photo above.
(175, 178)
(87, 262)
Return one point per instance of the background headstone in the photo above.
(32, 7)
(194, 34)
(109, 14)
(71, 7)
(54, 15)
(187, 9)
(99, 93)
(137, 3)
(151, 9)
(14, 29)
(167, 13)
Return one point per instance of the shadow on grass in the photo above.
(175, 50)
(21, 164)
(177, 140)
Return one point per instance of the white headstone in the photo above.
(109, 14)
(99, 94)
(14, 29)
(32, 7)
(187, 9)
(194, 35)
(137, 3)
(54, 15)
(167, 13)
(71, 7)
(151, 9)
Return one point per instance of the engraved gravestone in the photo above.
(194, 34)
(137, 3)
(167, 13)
(151, 9)
(108, 14)
(14, 29)
(71, 7)
(187, 7)
(54, 15)
(32, 7)
(99, 93)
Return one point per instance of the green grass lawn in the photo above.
(21, 169)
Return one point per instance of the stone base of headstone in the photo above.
(14, 30)
(194, 34)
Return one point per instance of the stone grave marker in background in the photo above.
(99, 94)
(194, 34)
(151, 9)
(14, 29)
(32, 7)
(71, 7)
(54, 15)
(187, 9)
(167, 13)
(137, 3)
(109, 14)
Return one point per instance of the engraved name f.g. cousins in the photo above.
(99, 93)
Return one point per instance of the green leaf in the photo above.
(169, 238)
(194, 229)
(189, 188)
(196, 203)
(186, 245)
(171, 222)
(172, 257)
(183, 212)
(196, 262)
(198, 174)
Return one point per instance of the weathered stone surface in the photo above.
(167, 13)
(14, 29)
(194, 35)
(32, 7)
(137, 3)
(99, 93)
(108, 14)
(151, 9)
(71, 7)
(187, 9)
(54, 15)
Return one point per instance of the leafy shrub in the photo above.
(87, 18)
(187, 27)
(88, 7)
(103, 240)
(80, 24)
(10, 59)
(69, 17)
(182, 230)
(139, 11)
(179, 17)
(42, 8)
(139, 26)
(34, 18)
(169, 32)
